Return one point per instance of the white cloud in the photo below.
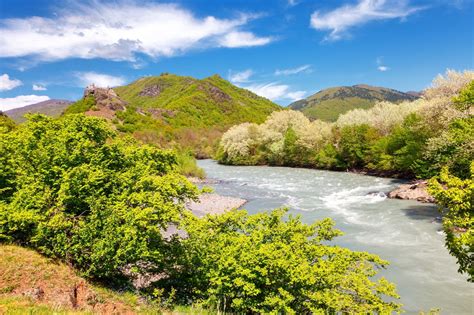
(21, 101)
(7, 84)
(119, 30)
(39, 87)
(381, 67)
(99, 79)
(339, 20)
(274, 91)
(240, 77)
(297, 95)
(304, 68)
(243, 39)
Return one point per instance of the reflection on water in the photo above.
(406, 233)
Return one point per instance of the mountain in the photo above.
(52, 108)
(328, 104)
(176, 110)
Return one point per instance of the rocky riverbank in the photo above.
(212, 203)
(417, 190)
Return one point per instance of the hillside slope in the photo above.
(33, 284)
(328, 104)
(175, 110)
(52, 108)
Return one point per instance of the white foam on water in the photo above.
(343, 202)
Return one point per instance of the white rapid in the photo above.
(406, 233)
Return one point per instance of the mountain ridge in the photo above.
(328, 104)
(176, 110)
(53, 108)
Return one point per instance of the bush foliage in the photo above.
(261, 263)
(73, 190)
(457, 196)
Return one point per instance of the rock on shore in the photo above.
(412, 191)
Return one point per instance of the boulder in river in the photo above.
(412, 191)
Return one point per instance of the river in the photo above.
(406, 233)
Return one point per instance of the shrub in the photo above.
(81, 106)
(261, 263)
(77, 192)
(457, 196)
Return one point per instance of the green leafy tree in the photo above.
(465, 99)
(457, 196)
(264, 263)
(75, 191)
(355, 143)
(406, 146)
(6, 123)
(453, 148)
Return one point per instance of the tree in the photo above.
(75, 191)
(457, 196)
(355, 143)
(465, 100)
(264, 263)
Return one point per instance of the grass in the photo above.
(22, 270)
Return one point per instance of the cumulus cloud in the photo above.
(99, 79)
(21, 101)
(383, 68)
(118, 31)
(340, 20)
(274, 91)
(304, 68)
(240, 77)
(7, 84)
(39, 87)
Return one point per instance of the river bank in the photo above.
(212, 203)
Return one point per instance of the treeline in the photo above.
(411, 139)
(74, 190)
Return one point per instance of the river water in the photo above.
(406, 233)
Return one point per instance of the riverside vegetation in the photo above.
(429, 137)
(80, 190)
(75, 190)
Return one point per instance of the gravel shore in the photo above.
(212, 203)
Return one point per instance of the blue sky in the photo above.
(281, 49)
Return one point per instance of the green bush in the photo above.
(81, 106)
(6, 123)
(457, 196)
(262, 263)
(73, 190)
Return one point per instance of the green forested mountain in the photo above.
(328, 104)
(176, 110)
